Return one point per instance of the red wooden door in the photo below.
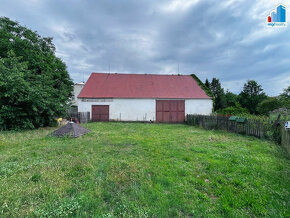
(170, 111)
(159, 111)
(100, 113)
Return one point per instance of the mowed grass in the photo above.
(142, 170)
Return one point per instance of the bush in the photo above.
(283, 112)
(236, 110)
(268, 105)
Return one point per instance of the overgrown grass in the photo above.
(142, 170)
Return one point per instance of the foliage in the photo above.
(283, 112)
(231, 99)
(234, 110)
(251, 96)
(268, 105)
(254, 117)
(207, 83)
(16, 94)
(218, 93)
(285, 98)
(200, 83)
(265, 129)
(276, 105)
(142, 170)
(36, 85)
(286, 93)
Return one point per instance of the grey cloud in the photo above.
(223, 39)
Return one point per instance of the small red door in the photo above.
(170, 111)
(100, 113)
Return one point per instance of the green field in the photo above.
(142, 170)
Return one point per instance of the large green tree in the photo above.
(207, 83)
(251, 95)
(35, 85)
(218, 93)
(231, 99)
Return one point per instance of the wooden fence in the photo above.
(285, 139)
(261, 129)
(81, 117)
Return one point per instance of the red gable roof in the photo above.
(105, 85)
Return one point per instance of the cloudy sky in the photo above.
(227, 39)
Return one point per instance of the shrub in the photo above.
(268, 105)
(283, 112)
(236, 110)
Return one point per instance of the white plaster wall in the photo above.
(124, 109)
(141, 109)
(198, 106)
(77, 90)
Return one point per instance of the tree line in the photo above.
(252, 99)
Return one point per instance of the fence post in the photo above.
(285, 138)
(217, 123)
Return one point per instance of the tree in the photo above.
(30, 60)
(251, 96)
(231, 99)
(285, 98)
(16, 98)
(268, 105)
(218, 93)
(286, 93)
(207, 83)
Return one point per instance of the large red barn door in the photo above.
(100, 113)
(170, 111)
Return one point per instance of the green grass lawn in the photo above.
(142, 170)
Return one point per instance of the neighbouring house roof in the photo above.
(106, 85)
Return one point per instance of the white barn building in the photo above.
(142, 97)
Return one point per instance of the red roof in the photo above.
(106, 85)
